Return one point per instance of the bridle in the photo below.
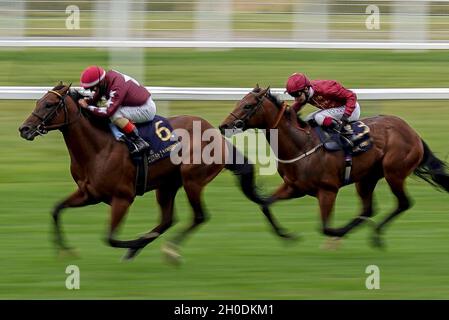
(240, 123)
(43, 128)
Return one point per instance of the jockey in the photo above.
(127, 103)
(338, 105)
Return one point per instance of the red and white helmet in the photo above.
(91, 76)
(297, 82)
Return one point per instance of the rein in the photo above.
(239, 123)
(300, 157)
(279, 116)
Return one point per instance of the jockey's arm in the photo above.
(344, 94)
(351, 101)
(116, 95)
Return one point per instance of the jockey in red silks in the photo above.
(338, 105)
(127, 102)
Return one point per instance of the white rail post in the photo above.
(213, 20)
(410, 22)
(310, 21)
(12, 19)
(125, 22)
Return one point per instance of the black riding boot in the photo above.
(138, 142)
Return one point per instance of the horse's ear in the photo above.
(263, 92)
(60, 83)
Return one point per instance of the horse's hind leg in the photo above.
(166, 198)
(396, 183)
(76, 199)
(326, 199)
(365, 189)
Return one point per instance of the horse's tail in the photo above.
(433, 170)
(244, 170)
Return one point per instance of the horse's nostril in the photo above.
(239, 124)
(24, 129)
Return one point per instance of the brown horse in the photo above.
(104, 172)
(308, 169)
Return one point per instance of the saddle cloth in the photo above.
(158, 133)
(361, 140)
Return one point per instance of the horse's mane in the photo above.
(75, 95)
(271, 96)
(278, 102)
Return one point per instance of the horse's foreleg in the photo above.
(193, 191)
(166, 198)
(284, 192)
(365, 189)
(76, 199)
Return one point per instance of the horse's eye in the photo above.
(247, 106)
(48, 105)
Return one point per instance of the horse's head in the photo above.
(50, 113)
(253, 111)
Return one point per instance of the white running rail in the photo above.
(102, 43)
(235, 94)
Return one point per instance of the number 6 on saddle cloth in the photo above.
(159, 135)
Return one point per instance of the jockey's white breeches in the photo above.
(335, 113)
(136, 114)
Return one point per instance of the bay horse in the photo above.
(308, 169)
(104, 172)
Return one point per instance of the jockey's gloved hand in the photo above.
(345, 126)
(345, 119)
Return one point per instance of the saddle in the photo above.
(358, 142)
(159, 135)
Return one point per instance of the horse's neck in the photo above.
(291, 141)
(85, 141)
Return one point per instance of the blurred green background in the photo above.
(234, 255)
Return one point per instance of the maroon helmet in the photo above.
(91, 76)
(297, 82)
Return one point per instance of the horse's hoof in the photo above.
(68, 253)
(171, 253)
(334, 232)
(130, 254)
(331, 244)
(377, 241)
(290, 236)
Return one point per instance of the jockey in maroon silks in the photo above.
(127, 102)
(338, 105)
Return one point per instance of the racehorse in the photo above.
(308, 169)
(104, 172)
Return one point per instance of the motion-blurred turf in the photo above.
(233, 68)
(234, 255)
